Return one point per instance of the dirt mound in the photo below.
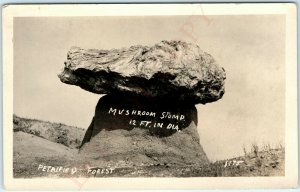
(30, 151)
(153, 139)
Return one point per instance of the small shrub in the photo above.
(33, 132)
(255, 149)
(244, 150)
(63, 138)
(258, 162)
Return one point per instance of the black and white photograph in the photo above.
(118, 92)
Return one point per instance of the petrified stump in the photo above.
(143, 130)
(148, 116)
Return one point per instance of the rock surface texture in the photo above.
(170, 69)
(114, 140)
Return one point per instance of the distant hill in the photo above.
(55, 132)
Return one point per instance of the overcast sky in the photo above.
(250, 48)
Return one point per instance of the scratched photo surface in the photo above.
(152, 96)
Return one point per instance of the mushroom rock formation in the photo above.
(168, 69)
(143, 131)
(148, 115)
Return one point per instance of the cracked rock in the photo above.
(168, 69)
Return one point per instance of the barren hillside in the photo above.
(40, 146)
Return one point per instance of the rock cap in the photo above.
(169, 69)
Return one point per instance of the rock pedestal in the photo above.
(142, 130)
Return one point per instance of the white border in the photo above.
(291, 172)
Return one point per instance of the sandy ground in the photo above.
(38, 157)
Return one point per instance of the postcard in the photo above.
(150, 96)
